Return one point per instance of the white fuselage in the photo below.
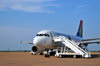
(45, 39)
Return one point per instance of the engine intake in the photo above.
(34, 48)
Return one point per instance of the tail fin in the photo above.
(80, 29)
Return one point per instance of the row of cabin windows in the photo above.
(43, 35)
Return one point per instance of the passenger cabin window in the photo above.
(47, 35)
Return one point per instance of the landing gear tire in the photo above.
(41, 54)
(52, 53)
(46, 55)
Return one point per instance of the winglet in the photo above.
(80, 29)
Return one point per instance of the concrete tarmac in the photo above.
(26, 59)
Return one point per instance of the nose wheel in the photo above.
(48, 54)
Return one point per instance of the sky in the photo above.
(22, 19)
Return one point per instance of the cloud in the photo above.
(39, 6)
(80, 8)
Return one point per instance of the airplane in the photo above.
(45, 40)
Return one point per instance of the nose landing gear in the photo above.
(48, 54)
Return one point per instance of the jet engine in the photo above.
(36, 50)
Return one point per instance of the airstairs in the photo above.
(73, 46)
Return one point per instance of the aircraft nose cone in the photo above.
(37, 41)
(42, 42)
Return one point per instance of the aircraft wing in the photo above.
(91, 42)
(91, 39)
(21, 42)
(30, 43)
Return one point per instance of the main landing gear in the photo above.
(50, 53)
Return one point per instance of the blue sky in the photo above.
(22, 19)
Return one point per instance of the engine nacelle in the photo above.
(36, 50)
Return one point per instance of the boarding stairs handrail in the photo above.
(74, 46)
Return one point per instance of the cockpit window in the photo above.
(43, 35)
